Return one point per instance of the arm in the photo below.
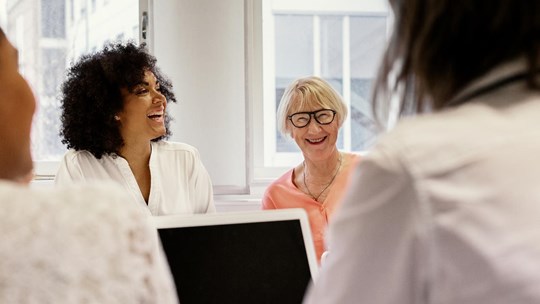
(375, 250)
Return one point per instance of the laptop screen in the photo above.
(260, 257)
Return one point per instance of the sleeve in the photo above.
(69, 170)
(81, 244)
(267, 201)
(152, 282)
(375, 254)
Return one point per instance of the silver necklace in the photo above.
(316, 198)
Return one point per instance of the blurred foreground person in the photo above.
(446, 208)
(85, 244)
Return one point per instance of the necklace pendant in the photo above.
(316, 198)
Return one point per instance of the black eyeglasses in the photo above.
(302, 119)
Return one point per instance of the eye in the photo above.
(323, 116)
(140, 90)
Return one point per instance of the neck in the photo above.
(321, 183)
(136, 153)
(323, 168)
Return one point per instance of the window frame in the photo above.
(260, 171)
(45, 170)
(269, 164)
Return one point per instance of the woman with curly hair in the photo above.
(56, 244)
(114, 122)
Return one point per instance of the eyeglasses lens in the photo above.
(323, 117)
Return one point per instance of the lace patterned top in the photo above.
(86, 244)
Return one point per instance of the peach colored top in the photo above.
(283, 193)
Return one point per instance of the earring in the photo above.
(116, 117)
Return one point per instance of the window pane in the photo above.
(294, 46)
(53, 17)
(332, 56)
(367, 41)
(332, 48)
(46, 122)
(294, 58)
(49, 43)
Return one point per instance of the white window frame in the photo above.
(45, 170)
(260, 171)
(269, 164)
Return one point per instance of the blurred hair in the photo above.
(439, 46)
(308, 91)
(91, 96)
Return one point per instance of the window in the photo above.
(217, 49)
(53, 15)
(49, 43)
(340, 41)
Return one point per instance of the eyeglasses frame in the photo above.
(312, 114)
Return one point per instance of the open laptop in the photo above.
(240, 257)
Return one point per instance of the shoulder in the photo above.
(280, 184)
(175, 147)
(284, 179)
(479, 126)
(81, 156)
(441, 140)
(91, 200)
(350, 160)
(83, 230)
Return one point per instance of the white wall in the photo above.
(200, 45)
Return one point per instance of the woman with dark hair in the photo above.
(114, 120)
(446, 207)
(80, 244)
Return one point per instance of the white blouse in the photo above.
(445, 209)
(179, 182)
(85, 244)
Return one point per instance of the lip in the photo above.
(316, 141)
(159, 119)
(157, 115)
(156, 111)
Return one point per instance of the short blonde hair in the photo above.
(305, 91)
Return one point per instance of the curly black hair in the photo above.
(90, 96)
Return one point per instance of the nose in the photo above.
(158, 98)
(313, 126)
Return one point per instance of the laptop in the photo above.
(240, 257)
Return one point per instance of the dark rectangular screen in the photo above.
(262, 262)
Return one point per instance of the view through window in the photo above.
(339, 41)
(50, 34)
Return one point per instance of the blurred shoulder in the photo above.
(91, 199)
(75, 156)
(446, 139)
(175, 146)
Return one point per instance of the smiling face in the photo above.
(143, 115)
(17, 106)
(317, 142)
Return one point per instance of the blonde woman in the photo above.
(312, 112)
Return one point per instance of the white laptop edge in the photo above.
(174, 221)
